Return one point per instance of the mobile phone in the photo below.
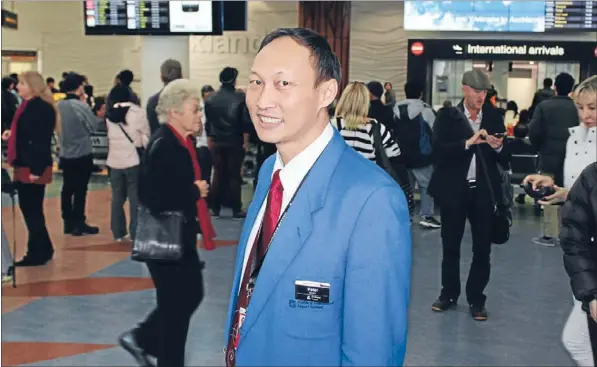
(499, 135)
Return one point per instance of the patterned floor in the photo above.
(70, 312)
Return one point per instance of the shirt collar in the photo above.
(468, 115)
(293, 173)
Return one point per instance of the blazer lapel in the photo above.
(294, 229)
(258, 199)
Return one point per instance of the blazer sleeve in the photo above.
(443, 127)
(377, 282)
(41, 139)
(578, 225)
(167, 190)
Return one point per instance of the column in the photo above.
(331, 19)
(154, 51)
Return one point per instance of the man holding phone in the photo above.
(468, 143)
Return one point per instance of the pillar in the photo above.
(331, 19)
(154, 51)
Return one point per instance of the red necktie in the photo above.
(272, 212)
(268, 226)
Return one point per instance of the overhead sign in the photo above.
(9, 19)
(524, 50)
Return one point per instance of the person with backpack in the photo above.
(413, 124)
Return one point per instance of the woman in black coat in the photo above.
(170, 180)
(29, 152)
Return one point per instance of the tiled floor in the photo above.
(70, 312)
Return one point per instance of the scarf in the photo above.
(207, 229)
(12, 142)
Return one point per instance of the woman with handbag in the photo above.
(171, 189)
(29, 152)
(369, 137)
(128, 135)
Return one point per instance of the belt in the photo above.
(471, 183)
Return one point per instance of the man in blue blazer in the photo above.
(323, 267)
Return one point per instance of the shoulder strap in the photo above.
(403, 112)
(486, 173)
(127, 135)
(380, 154)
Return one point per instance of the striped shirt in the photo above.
(361, 139)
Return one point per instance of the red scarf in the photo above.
(207, 229)
(12, 142)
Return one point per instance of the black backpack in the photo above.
(414, 138)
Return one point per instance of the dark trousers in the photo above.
(476, 206)
(227, 161)
(76, 174)
(179, 291)
(124, 184)
(205, 163)
(264, 150)
(31, 201)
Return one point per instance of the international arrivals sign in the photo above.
(524, 50)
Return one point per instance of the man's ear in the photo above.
(328, 91)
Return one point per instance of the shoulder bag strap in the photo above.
(127, 135)
(486, 173)
(380, 154)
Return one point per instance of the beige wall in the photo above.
(209, 55)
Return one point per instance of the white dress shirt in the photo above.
(291, 175)
(475, 125)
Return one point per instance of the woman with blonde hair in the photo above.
(29, 153)
(357, 128)
(580, 332)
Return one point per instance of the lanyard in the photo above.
(260, 260)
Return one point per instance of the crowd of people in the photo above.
(183, 152)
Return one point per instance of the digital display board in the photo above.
(476, 16)
(575, 15)
(136, 17)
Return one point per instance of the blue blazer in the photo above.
(348, 226)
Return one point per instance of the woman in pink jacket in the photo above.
(128, 135)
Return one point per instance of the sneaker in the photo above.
(441, 305)
(128, 342)
(479, 313)
(239, 215)
(430, 222)
(124, 239)
(545, 241)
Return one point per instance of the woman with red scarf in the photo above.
(29, 153)
(171, 180)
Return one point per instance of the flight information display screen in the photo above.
(575, 15)
(136, 17)
(480, 16)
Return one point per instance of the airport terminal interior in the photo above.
(72, 308)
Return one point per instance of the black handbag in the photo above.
(384, 162)
(140, 150)
(502, 213)
(159, 236)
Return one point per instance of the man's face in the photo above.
(51, 85)
(473, 98)
(101, 112)
(282, 97)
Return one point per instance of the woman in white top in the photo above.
(581, 151)
(352, 121)
(128, 131)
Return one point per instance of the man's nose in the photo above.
(267, 97)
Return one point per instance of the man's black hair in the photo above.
(375, 88)
(126, 77)
(324, 59)
(413, 89)
(72, 82)
(564, 84)
(206, 89)
(547, 83)
(65, 74)
(50, 80)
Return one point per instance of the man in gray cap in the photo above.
(169, 71)
(464, 137)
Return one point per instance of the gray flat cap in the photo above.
(477, 79)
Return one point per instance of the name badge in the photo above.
(305, 290)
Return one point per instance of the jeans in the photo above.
(76, 173)
(422, 176)
(124, 185)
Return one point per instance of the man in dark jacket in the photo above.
(169, 71)
(549, 128)
(468, 148)
(542, 94)
(227, 127)
(377, 110)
